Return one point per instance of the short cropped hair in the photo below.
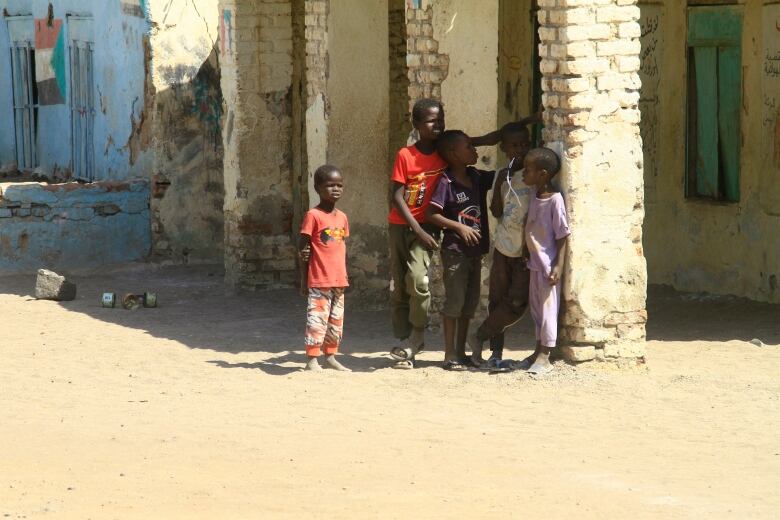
(545, 159)
(423, 105)
(447, 140)
(514, 128)
(322, 173)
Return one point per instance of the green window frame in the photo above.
(714, 102)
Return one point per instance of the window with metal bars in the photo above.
(82, 103)
(25, 96)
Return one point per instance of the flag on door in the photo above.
(50, 62)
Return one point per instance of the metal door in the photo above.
(25, 104)
(82, 105)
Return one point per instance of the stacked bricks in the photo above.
(426, 67)
(400, 113)
(256, 86)
(590, 59)
(316, 33)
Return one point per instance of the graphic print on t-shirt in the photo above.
(470, 215)
(332, 234)
(416, 188)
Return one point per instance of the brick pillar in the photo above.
(256, 57)
(310, 100)
(590, 58)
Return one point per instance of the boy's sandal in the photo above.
(401, 354)
(454, 366)
(498, 366)
(405, 364)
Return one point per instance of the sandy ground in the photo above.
(198, 410)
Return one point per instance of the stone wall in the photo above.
(590, 58)
(72, 225)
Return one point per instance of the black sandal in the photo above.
(454, 366)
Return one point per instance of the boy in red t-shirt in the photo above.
(323, 256)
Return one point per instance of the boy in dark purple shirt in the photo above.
(459, 206)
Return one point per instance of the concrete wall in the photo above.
(697, 245)
(121, 131)
(72, 225)
(188, 190)
(358, 92)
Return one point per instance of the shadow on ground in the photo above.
(197, 310)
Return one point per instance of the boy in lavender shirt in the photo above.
(546, 236)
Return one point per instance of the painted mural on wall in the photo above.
(208, 107)
(50, 61)
(226, 32)
(649, 101)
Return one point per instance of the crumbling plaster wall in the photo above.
(187, 188)
(122, 122)
(698, 245)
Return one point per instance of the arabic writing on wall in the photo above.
(649, 105)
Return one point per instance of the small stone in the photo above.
(52, 286)
(757, 342)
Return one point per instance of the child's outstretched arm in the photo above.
(398, 199)
(494, 137)
(469, 235)
(304, 253)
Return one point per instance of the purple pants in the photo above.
(544, 302)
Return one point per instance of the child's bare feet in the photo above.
(331, 362)
(313, 365)
(542, 364)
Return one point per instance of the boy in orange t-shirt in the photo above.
(323, 254)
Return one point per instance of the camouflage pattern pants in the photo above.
(324, 320)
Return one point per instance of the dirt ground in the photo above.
(198, 409)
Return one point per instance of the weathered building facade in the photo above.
(73, 90)
(116, 106)
(234, 103)
(711, 134)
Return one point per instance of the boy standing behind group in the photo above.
(509, 274)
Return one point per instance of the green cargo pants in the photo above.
(409, 262)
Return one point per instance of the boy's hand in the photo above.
(469, 235)
(305, 253)
(555, 275)
(427, 240)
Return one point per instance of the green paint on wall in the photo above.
(58, 63)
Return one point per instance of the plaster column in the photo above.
(256, 53)
(590, 58)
